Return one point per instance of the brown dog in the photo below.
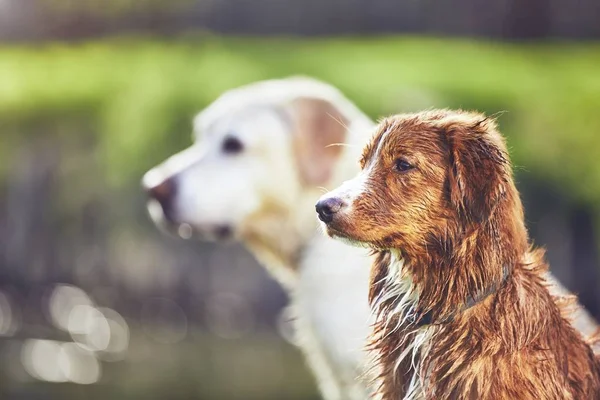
(462, 307)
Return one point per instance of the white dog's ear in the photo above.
(319, 129)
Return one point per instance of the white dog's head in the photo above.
(260, 154)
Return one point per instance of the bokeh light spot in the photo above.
(89, 327)
(78, 365)
(62, 301)
(40, 359)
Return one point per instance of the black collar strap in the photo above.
(421, 320)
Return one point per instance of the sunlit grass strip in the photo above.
(141, 93)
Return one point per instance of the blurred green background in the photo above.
(88, 103)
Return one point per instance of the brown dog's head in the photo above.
(427, 180)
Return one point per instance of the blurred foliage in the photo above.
(137, 96)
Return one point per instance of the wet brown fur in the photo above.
(457, 220)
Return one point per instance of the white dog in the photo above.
(261, 156)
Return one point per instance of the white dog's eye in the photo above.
(232, 145)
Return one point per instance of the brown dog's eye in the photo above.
(402, 165)
(232, 145)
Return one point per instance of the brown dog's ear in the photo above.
(479, 168)
(319, 127)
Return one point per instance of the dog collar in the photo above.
(425, 319)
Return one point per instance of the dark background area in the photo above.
(500, 19)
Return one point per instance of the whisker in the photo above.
(339, 121)
(498, 114)
(341, 144)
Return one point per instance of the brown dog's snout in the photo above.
(163, 192)
(327, 208)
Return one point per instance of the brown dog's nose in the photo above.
(164, 192)
(327, 208)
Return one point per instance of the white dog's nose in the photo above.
(163, 192)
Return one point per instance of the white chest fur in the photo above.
(399, 291)
(332, 304)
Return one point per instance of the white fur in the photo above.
(329, 289)
(399, 286)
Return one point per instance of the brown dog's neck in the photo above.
(427, 318)
(447, 277)
(393, 281)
